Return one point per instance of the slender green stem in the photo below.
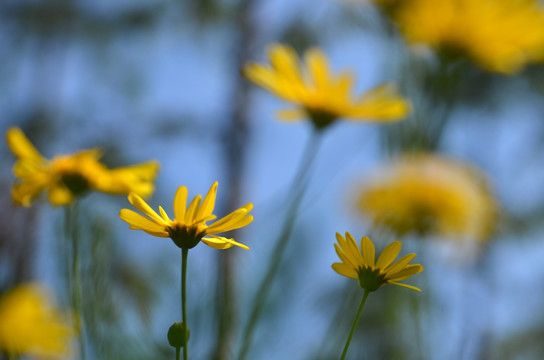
(177, 353)
(184, 253)
(300, 185)
(355, 324)
(75, 275)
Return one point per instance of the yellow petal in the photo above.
(180, 203)
(343, 256)
(405, 273)
(368, 250)
(405, 285)
(381, 103)
(219, 242)
(21, 147)
(284, 60)
(234, 220)
(192, 209)
(318, 66)
(264, 77)
(137, 221)
(59, 195)
(141, 205)
(389, 254)
(353, 249)
(164, 215)
(208, 203)
(345, 270)
(400, 264)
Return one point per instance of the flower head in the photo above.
(361, 264)
(30, 325)
(67, 176)
(427, 194)
(499, 35)
(189, 226)
(319, 95)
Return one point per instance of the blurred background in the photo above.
(161, 80)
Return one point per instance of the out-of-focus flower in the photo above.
(67, 176)
(428, 194)
(188, 227)
(317, 94)
(30, 325)
(361, 264)
(499, 35)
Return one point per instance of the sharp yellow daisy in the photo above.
(318, 94)
(189, 226)
(67, 176)
(30, 325)
(361, 264)
(428, 194)
(499, 35)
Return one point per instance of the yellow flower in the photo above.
(499, 35)
(67, 176)
(30, 325)
(188, 227)
(427, 194)
(360, 263)
(318, 94)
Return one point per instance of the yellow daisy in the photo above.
(67, 176)
(360, 263)
(499, 35)
(30, 325)
(427, 194)
(189, 226)
(318, 94)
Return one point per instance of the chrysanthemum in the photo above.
(499, 35)
(318, 94)
(30, 325)
(427, 194)
(361, 264)
(189, 226)
(67, 176)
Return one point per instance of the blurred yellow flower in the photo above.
(318, 94)
(360, 263)
(500, 35)
(67, 176)
(428, 194)
(188, 227)
(30, 325)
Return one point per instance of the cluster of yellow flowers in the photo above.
(422, 193)
(500, 35)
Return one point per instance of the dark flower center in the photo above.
(370, 279)
(186, 237)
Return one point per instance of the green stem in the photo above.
(75, 275)
(300, 185)
(184, 253)
(177, 353)
(355, 324)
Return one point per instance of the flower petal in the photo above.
(405, 273)
(368, 250)
(208, 203)
(139, 222)
(235, 220)
(180, 203)
(318, 66)
(192, 209)
(400, 264)
(389, 254)
(343, 257)
(60, 195)
(219, 242)
(21, 147)
(141, 205)
(345, 270)
(405, 285)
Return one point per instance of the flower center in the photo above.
(186, 237)
(320, 118)
(371, 279)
